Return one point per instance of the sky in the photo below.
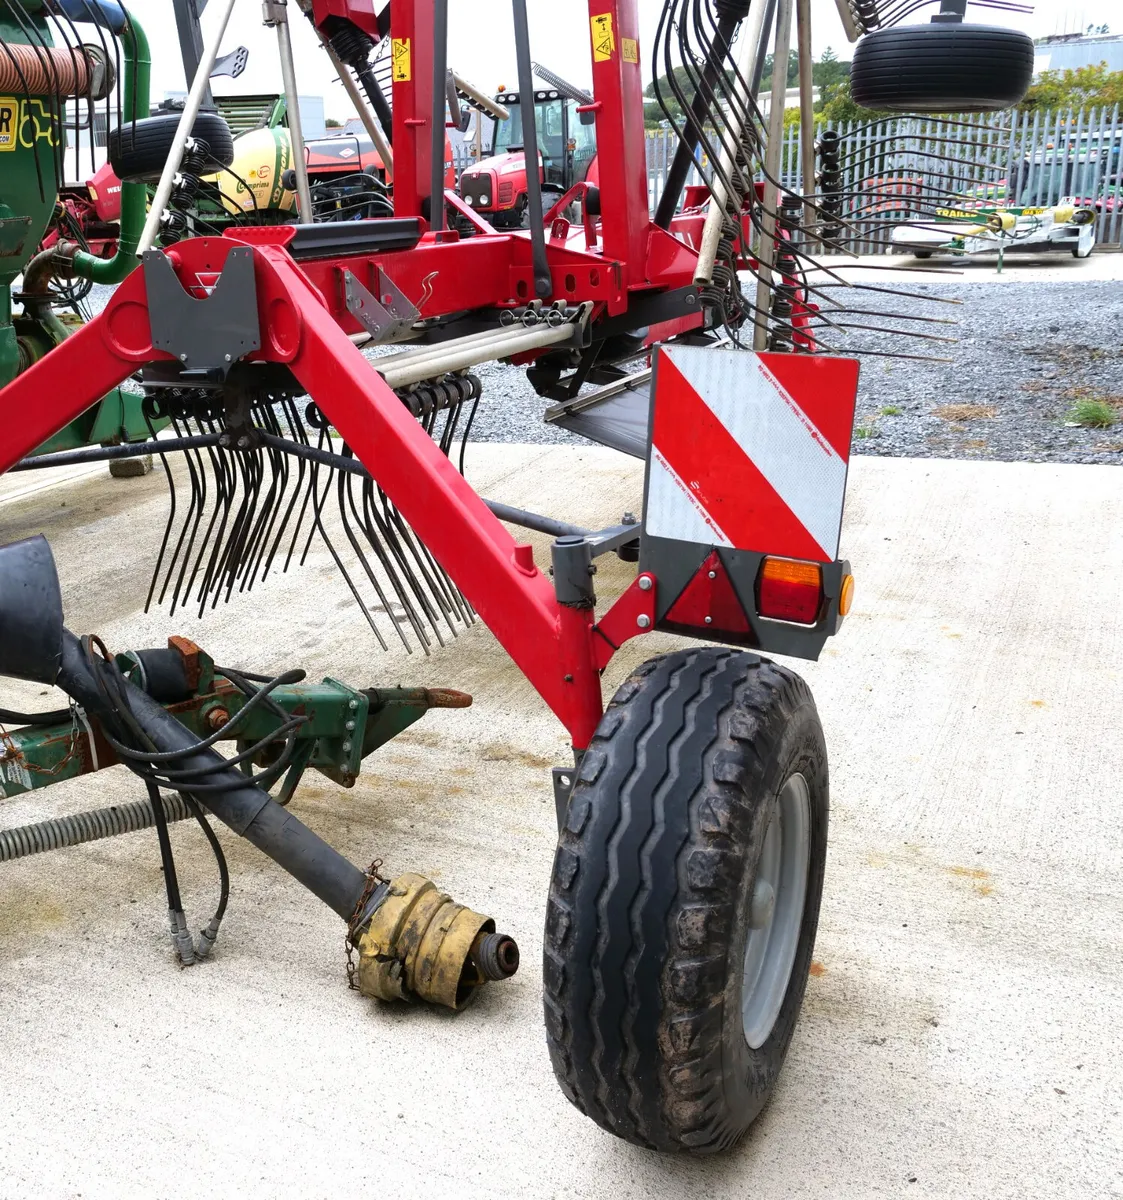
(481, 41)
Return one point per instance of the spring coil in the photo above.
(92, 826)
(829, 180)
(784, 295)
(351, 44)
(429, 398)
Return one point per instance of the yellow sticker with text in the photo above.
(604, 40)
(9, 122)
(403, 72)
(629, 50)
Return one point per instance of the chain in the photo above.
(350, 940)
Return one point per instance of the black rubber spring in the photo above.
(60, 832)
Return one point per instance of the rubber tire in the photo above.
(941, 68)
(922, 254)
(648, 908)
(140, 151)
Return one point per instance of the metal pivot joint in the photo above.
(573, 570)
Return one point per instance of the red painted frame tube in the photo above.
(550, 643)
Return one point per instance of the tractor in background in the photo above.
(496, 188)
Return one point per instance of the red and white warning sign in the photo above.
(750, 451)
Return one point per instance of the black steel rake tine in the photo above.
(239, 529)
(420, 588)
(197, 472)
(196, 497)
(346, 499)
(171, 515)
(222, 484)
(298, 489)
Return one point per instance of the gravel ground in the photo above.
(1026, 354)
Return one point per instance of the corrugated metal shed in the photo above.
(1067, 53)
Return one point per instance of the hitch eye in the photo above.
(790, 590)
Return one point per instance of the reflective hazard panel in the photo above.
(750, 451)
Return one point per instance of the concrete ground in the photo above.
(960, 1033)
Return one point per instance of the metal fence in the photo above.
(894, 168)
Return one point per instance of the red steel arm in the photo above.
(551, 644)
(77, 373)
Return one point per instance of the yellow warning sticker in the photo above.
(604, 40)
(403, 72)
(9, 122)
(629, 50)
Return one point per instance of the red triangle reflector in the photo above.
(710, 594)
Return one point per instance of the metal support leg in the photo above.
(275, 13)
(543, 283)
(440, 74)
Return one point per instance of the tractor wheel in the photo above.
(139, 150)
(685, 898)
(942, 67)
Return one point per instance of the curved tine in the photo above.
(447, 594)
(171, 513)
(343, 494)
(383, 541)
(223, 485)
(196, 494)
(318, 527)
(250, 466)
(197, 472)
(318, 501)
(372, 521)
(229, 492)
(297, 490)
(272, 503)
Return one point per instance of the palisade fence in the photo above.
(896, 168)
(910, 166)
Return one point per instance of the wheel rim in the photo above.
(776, 911)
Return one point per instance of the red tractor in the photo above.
(496, 188)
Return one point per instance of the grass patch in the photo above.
(965, 412)
(861, 432)
(890, 410)
(1093, 414)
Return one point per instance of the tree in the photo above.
(332, 123)
(793, 71)
(1083, 87)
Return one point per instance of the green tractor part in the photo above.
(32, 149)
(412, 941)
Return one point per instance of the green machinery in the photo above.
(42, 66)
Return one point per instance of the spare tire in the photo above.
(942, 67)
(139, 150)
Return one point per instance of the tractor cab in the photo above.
(567, 146)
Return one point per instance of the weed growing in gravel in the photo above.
(1092, 414)
(965, 412)
(890, 410)
(864, 431)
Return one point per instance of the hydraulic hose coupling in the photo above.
(420, 944)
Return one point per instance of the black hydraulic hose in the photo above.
(377, 100)
(9, 716)
(248, 810)
(543, 283)
(699, 112)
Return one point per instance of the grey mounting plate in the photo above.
(387, 316)
(207, 335)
